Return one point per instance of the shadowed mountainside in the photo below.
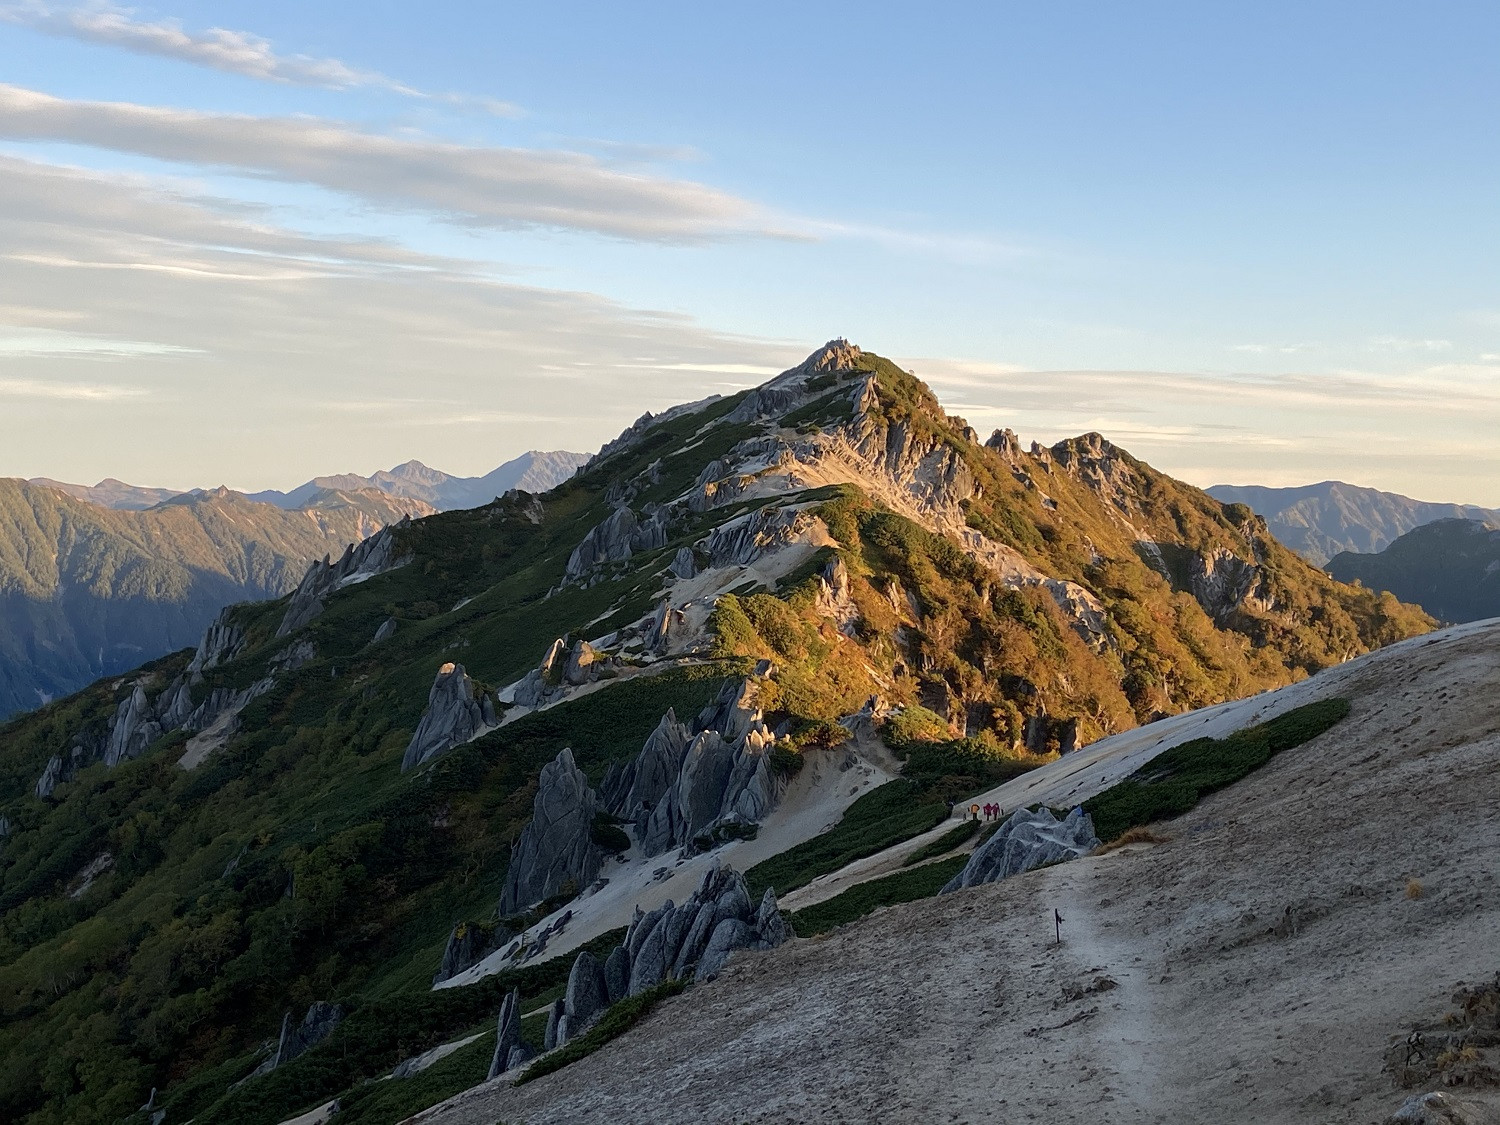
(1451, 568)
(87, 591)
(1320, 520)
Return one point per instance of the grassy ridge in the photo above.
(1177, 779)
(906, 885)
(874, 822)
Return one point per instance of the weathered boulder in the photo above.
(1441, 1107)
(453, 717)
(728, 935)
(579, 670)
(507, 1033)
(649, 965)
(556, 848)
(770, 926)
(617, 973)
(683, 565)
(386, 631)
(588, 991)
(555, 1013)
(1025, 841)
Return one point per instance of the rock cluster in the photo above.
(556, 848)
(1026, 840)
(139, 721)
(561, 669)
(684, 786)
(373, 556)
(691, 941)
(222, 642)
(619, 536)
(453, 716)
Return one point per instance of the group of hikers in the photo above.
(987, 811)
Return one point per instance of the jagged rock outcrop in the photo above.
(373, 556)
(633, 788)
(682, 786)
(222, 642)
(509, 1052)
(1222, 582)
(556, 849)
(133, 728)
(561, 669)
(835, 600)
(746, 540)
(322, 1017)
(386, 631)
(1026, 840)
(453, 717)
(693, 940)
(1102, 466)
(619, 536)
(468, 944)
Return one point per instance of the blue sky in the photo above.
(249, 243)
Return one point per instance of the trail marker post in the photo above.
(1057, 920)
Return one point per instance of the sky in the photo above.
(253, 243)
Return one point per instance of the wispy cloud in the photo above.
(443, 359)
(1394, 431)
(477, 186)
(233, 52)
(39, 343)
(75, 392)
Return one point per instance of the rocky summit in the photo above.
(496, 786)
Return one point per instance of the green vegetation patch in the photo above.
(882, 817)
(864, 898)
(374, 1037)
(384, 1103)
(1177, 779)
(616, 1021)
(953, 838)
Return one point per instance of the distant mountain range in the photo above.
(533, 471)
(1320, 520)
(1451, 568)
(94, 580)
